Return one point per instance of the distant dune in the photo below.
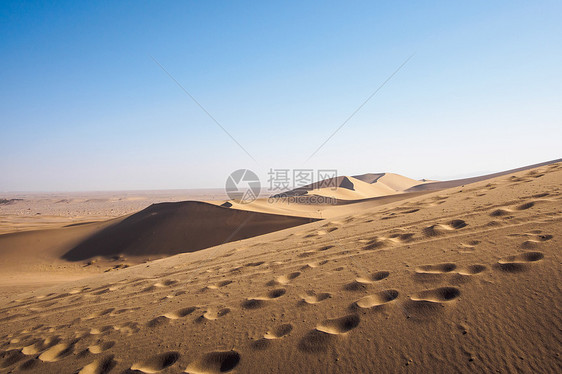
(356, 187)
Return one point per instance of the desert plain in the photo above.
(397, 276)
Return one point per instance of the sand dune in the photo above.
(437, 282)
(309, 206)
(433, 186)
(45, 257)
(369, 177)
(37, 211)
(172, 228)
(398, 182)
(356, 187)
(354, 190)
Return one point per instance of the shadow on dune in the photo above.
(172, 228)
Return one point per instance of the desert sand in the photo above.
(397, 276)
(34, 211)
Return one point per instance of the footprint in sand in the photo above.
(362, 283)
(158, 321)
(341, 325)
(313, 265)
(40, 307)
(438, 295)
(472, 270)
(212, 314)
(318, 233)
(319, 339)
(280, 240)
(57, 352)
(539, 195)
(493, 224)
(278, 332)
(307, 254)
(378, 242)
(101, 347)
(428, 273)
(436, 269)
(435, 273)
(214, 362)
(315, 251)
(331, 226)
(505, 211)
(128, 328)
(516, 179)
(123, 310)
(284, 279)
(518, 263)
(314, 298)
(534, 243)
(100, 366)
(525, 206)
(180, 313)
(156, 363)
(162, 284)
(101, 330)
(254, 264)
(61, 296)
(40, 345)
(469, 246)
(98, 314)
(259, 302)
(101, 292)
(390, 215)
(439, 229)
(219, 284)
(22, 340)
(544, 237)
(501, 212)
(535, 174)
(409, 210)
(429, 303)
(375, 300)
(402, 237)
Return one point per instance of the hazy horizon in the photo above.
(265, 191)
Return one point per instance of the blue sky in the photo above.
(84, 107)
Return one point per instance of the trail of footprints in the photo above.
(438, 229)
(28, 351)
(400, 236)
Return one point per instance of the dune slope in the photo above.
(434, 186)
(461, 280)
(172, 228)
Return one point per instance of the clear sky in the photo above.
(83, 106)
